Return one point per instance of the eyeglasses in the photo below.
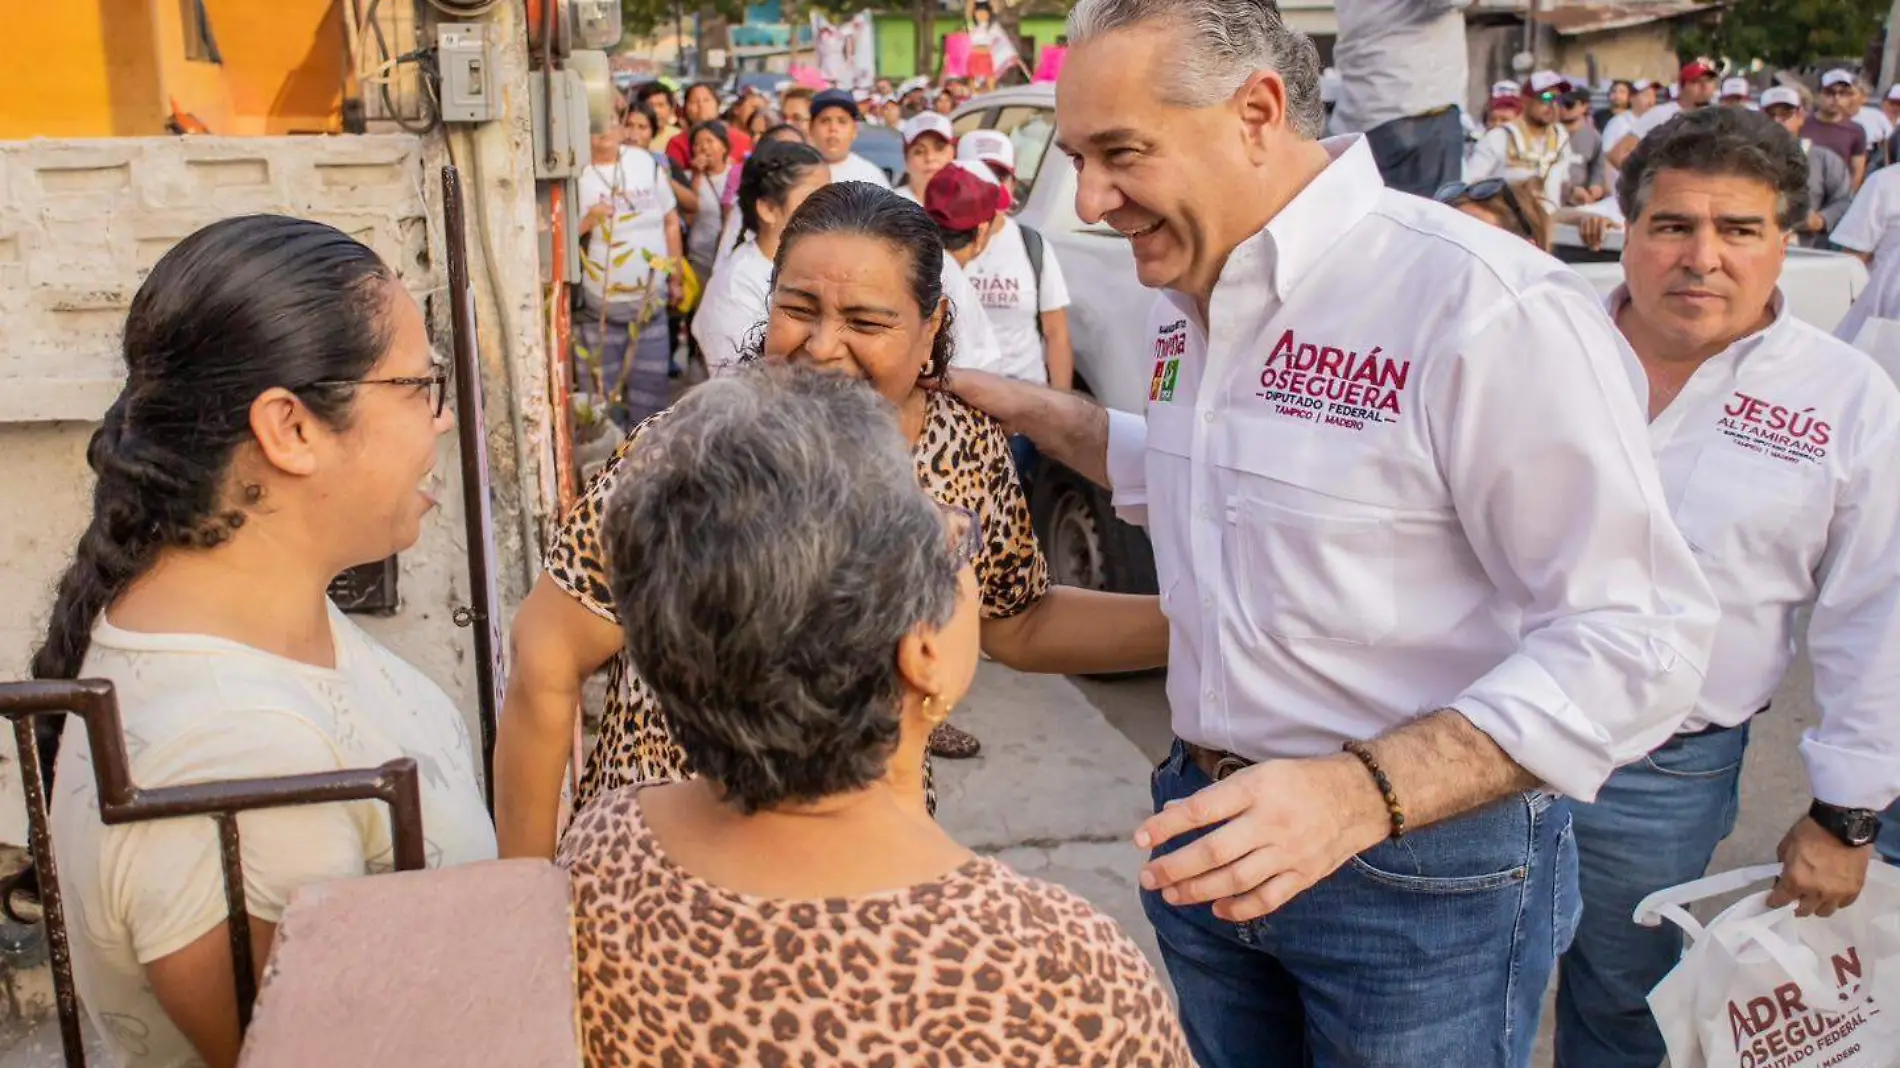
(964, 532)
(1481, 191)
(437, 381)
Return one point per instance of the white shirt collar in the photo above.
(1308, 227)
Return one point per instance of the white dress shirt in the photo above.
(1401, 470)
(1872, 225)
(1778, 459)
(1397, 58)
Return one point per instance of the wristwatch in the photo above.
(1855, 827)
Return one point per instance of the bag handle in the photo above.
(1668, 904)
(1761, 931)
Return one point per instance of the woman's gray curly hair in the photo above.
(769, 547)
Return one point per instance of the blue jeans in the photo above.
(1655, 824)
(1420, 153)
(1433, 950)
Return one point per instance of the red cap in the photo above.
(1695, 70)
(959, 199)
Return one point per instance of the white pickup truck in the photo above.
(1085, 543)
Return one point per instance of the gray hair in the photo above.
(769, 547)
(1226, 41)
(1722, 141)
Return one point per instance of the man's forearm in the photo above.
(1070, 428)
(1441, 766)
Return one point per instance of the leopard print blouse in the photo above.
(982, 967)
(962, 459)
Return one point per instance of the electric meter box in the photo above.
(561, 124)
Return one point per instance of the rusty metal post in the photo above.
(395, 783)
(477, 511)
(52, 908)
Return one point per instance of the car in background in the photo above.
(768, 83)
(882, 146)
(1108, 323)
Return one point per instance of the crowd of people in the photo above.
(1436, 731)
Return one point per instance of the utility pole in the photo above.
(927, 36)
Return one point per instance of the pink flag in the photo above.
(1049, 63)
(956, 55)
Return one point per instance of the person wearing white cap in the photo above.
(1873, 120)
(1890, 110)
(1777, 446)
(929, 146)
(1019, 279)
(1833, 126)
(1735, 93)
(1830, 186)
(1695, 88)
(1533, 145)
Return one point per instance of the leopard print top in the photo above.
(962, 459)
(982, 967)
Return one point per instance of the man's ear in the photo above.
(1262, 104)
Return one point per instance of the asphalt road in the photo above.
(1774, 783)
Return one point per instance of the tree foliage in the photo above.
(1787, 33)
(641, 17)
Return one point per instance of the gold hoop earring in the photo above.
(930, 717)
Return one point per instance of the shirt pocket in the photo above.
(1170, 473)
(1737, 507)
(1307, 573)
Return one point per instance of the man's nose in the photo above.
(1703, 254)
(1095, 196)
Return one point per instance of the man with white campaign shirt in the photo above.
(1022, 289)
(1777, 445)
(1370, 421)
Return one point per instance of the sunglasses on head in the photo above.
(1485, 190)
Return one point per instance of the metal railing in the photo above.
(121, 801)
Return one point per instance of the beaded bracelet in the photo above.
(1384, 784)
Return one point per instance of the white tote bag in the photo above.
(1761, 988)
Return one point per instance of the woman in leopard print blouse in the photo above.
(857, 291)
(793, 904)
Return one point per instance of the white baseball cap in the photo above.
(1893, 91)
(1780, 95)
(987, 146)
(1642, 85)
(927, 122)
(1733, 87)
(1545, 81)
(1837, 76)
(1506, 88)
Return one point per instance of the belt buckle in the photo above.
(1227, 765)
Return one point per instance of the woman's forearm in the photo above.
(1074, 631)
(556, 644)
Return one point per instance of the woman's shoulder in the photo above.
(951, 420)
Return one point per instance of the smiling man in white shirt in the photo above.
(1777, 446)
(1417, 565)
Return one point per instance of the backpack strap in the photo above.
(1032, 244)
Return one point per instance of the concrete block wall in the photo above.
(81, 224)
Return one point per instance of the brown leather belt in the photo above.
(1216, 764)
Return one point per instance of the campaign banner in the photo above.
(847, 51)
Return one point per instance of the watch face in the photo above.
(1860, 828)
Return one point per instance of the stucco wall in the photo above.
(80, 224)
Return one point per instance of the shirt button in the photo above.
(1207, 602)
(1209, 696)
(1206, 511)
(1207, 417)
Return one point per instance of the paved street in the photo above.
(1063, 780)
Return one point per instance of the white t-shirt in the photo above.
(1876, 123)
(1655, 117)
(1005, 281)
(1397, 58)
(909, 194)
(203, 709)
(1872, 225)
(970, 328)
(736, 300)
(855, 168)
(642, 196)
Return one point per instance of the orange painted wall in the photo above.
(102, 68)
(79, 68)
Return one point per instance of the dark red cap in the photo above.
(958, 200)
(1695, 70)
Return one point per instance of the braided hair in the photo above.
(240, 307)
(773, 170)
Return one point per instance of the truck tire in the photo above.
(1085, 544)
